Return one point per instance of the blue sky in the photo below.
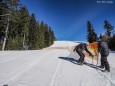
(68, 18)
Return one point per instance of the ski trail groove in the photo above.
(25, 70)
(55, 73)
(103, 76)
(107, 77)
(14, 58)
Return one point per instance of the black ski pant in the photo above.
(81, 59)
(104, 62)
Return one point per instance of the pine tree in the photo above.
(13, 4)
(6, 8)
(42, 32)
(91, 35)
(108, 27)
(46, 36)
(23, 28)
(24, 24)
(100, 37)
(113, 42)
(39, 35)
(3, 20)
(52, 37)
(14, 33)
(33, 35)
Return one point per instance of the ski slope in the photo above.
(52, 67)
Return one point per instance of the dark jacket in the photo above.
(103, 48)
(82, 47)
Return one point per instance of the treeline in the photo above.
(108, 36)
(24, 31)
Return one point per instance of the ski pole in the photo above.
(97, 59)
(92, 60)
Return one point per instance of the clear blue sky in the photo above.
(68, 18)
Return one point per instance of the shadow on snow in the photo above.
(74, 61)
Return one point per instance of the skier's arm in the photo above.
(75, 49)
(88, 52)
(99, 47)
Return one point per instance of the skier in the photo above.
(79, 49)
(104, 51)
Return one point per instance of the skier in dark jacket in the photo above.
(104, 51)
(79, 49)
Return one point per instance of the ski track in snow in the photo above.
(23, 69)
(106, 77)
(56, 71)
(10, 55)
(11, 59)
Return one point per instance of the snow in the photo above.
(63, 44)
(52, 67)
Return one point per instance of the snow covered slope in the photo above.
(52, 67)
(64, 43)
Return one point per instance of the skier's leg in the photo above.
(106, 64)
(81, 59)
(78, 51)
(83, 56)
(102, 62)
